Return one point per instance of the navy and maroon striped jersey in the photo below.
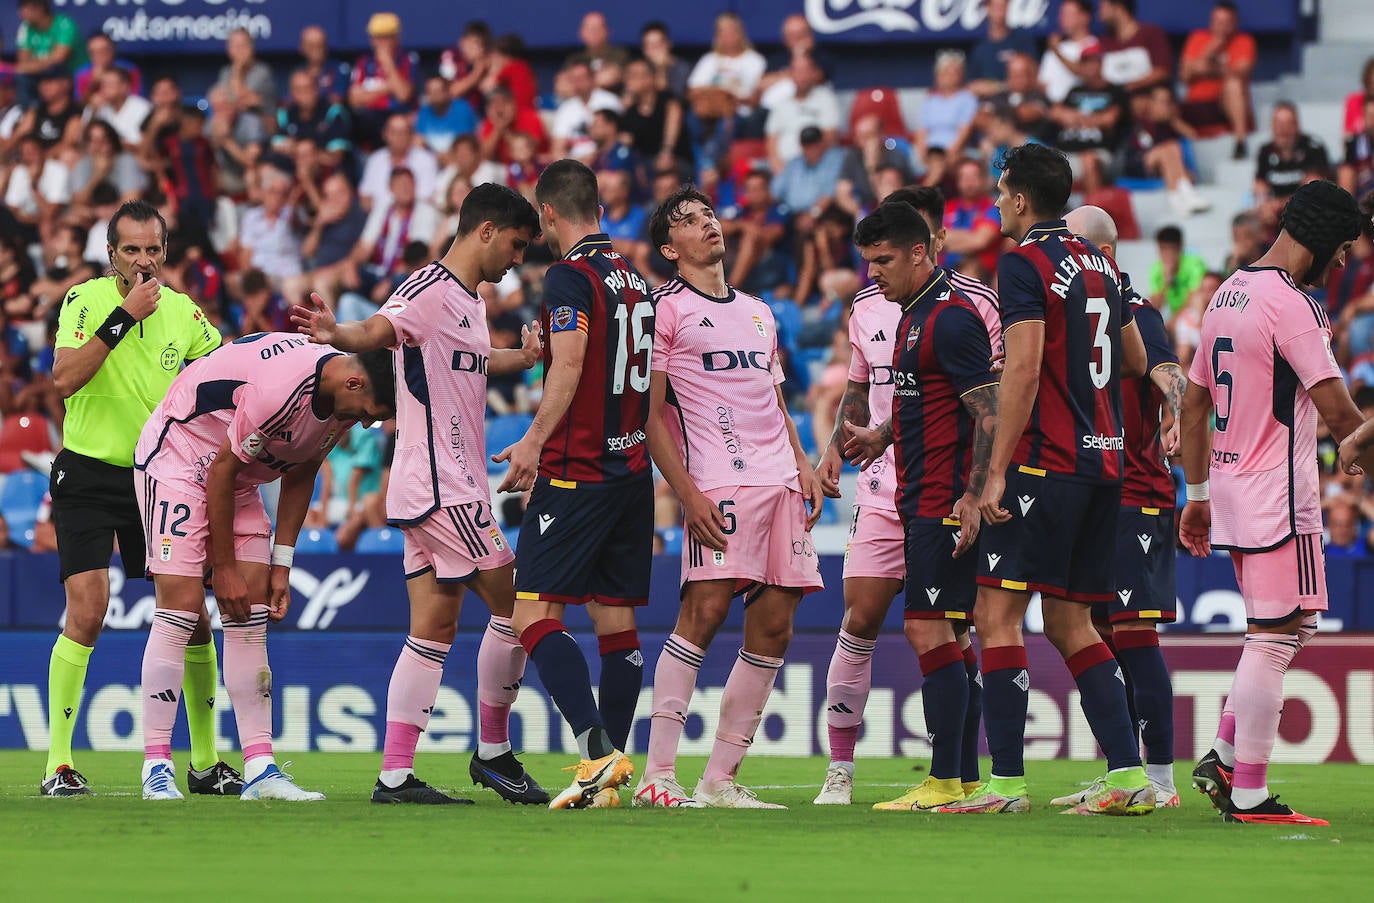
(941, 353)
(1075, 290)
(597, 292)
(1148, 482)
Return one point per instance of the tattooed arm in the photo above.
(1171, 381)
(981, 403)
(853, 409)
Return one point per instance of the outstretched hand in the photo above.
(315, 320)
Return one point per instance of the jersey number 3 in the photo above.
(632, 348)
(1100, 364)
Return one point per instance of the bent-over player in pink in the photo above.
(265, 407)
(438, 492)
(720, 433)
(1265, 368)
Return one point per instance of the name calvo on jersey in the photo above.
(716, 361)
(1072, 265)
(617, 280)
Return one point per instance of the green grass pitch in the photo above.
(117, 847)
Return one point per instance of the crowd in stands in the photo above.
(338, 176)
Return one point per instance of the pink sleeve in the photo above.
(1201, 371)
(411, 325)
(1309, 354)
(858, 364)
(665, 331)
(250, 411)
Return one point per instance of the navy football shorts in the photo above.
(1145, 562)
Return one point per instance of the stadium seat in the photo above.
(21, 495)
(787, 314)
(317, 542)
(803, 421)
(672, 540)
(880, 102)
(512, 537)
(504, 430)
(380, 541)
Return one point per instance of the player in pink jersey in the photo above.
(265, 407)
(874, 561)
(1265, 367)
(438, 493)
(719, 431)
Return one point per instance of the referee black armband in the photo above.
(116, 327)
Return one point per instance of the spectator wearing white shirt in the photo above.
(266, 235)
(724, 86)
(377, 255)
(38, 187)
(470, 166)
(575, 113)
(813, 103)
(116, 103)
(400, 152)
(1060, 71)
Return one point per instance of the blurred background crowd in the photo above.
(340, 174)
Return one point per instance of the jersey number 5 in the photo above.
(1100, 364)
(1223, 345)
(634, 340)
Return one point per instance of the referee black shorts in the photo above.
(92, 503)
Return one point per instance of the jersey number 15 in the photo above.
(632, 348)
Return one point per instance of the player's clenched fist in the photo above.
(143, 297)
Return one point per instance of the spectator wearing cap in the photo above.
(1059, 66)
(855, 191)
(399, 152)
(384, 79)
(466, 65)
(331, 77)
(116, 103)
(101, 55)
(808, 181)
(1089, 121)
(574, 114)
(945, 120)
(503, 120)
(1356, 173)
(1290, 159)
(1215, 69)
(812, 104)
(46, 40)
(670, 72)
(987, 62)
(606, 61)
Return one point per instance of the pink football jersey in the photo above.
(442, 350)
(984, 301)
(1265, 342)
(872, 327)
(259, 392)
(721, 359)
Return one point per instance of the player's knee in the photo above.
(863, 622)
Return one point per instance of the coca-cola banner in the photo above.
(329, 690)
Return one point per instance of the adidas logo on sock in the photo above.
(165, 696)
(841, 708)
(464, 324)
(706, 321)
(428, 711)
(512, 688)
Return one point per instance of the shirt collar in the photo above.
(597, 241)
(936, 286)
(1045, 230)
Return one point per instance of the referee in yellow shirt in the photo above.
(120, 341)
